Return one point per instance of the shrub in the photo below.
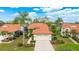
(54, 37)
(76, 39)
(19, 44)
(59, 41)
(33, 41)
(29, 45)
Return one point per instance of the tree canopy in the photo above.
(59, 21)
(22, 18)
(1, 22)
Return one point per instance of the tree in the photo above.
(54, 28)
(76, 22)
(23, 20)
(16, 20)
(44, 19)
(59, 21)
(58, 24)
(50, 23)
(41, 20)
(1, 22)
(35, 20)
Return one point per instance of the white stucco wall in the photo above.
(42, 37)
(63, 30)
(77, 35)
(1, 38)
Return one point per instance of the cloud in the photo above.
(56, 7)
(33, 14)
(36, 9)
(15, 14)
(60, 12)
(67, 14)
(14, 7)
(1, 11)
(74, 11)
(49, 9)
(51, 18)
(46, 9)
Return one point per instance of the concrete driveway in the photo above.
(43, 45)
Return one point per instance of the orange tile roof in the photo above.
(10, 27)
(71, 26)
(39, 28)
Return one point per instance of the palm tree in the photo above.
(22, 19)
(59, 23)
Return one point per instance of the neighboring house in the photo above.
(40, 30)
(10, 28)
(69, 28)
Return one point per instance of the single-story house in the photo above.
(10, 28)
(40, 30)
(69, 28)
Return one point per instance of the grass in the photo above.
(13, 46)
(68, 45)
(66, 40)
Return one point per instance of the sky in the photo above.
(68, 14)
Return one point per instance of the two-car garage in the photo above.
(42, 36)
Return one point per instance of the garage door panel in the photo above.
(42, 37)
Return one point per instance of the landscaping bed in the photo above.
(16, 46)
(76, 39)
(64, 44)
(61, 40)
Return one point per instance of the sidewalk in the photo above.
(43, 45)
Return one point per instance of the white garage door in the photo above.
(42, 37)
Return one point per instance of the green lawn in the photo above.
(68, 45)
(13, 46)
(66, 40)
